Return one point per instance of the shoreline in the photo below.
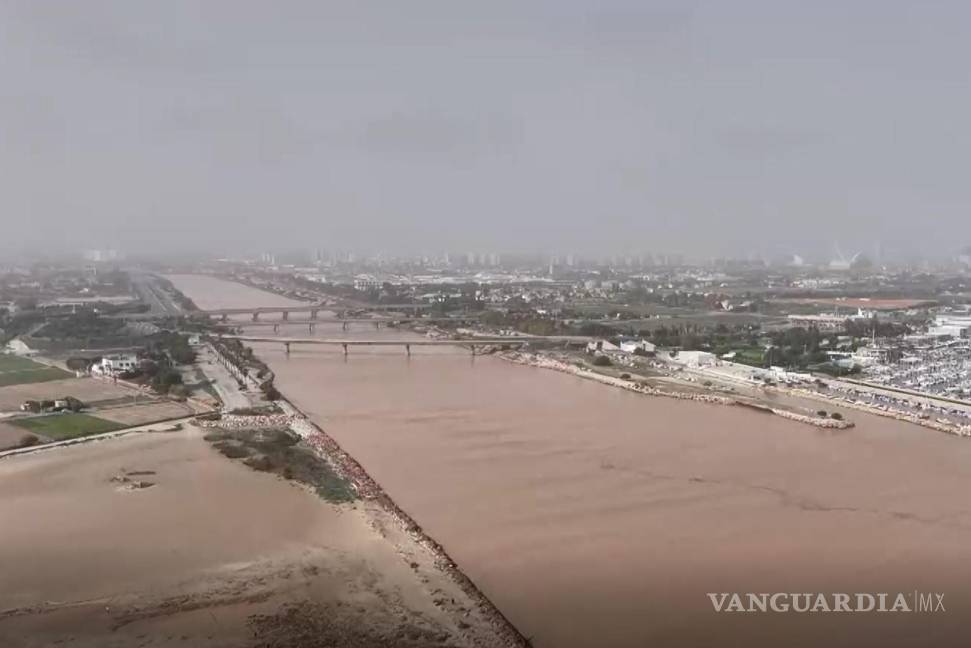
(93, 438)
(542, 362)
(369, 490)
(947, 428)
(476, 619)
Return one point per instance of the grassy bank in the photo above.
(281, 452)
(15, 370)
(59, 427)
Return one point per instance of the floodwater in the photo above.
(597, 517)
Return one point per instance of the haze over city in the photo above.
(709, 128)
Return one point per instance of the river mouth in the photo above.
(595, 517)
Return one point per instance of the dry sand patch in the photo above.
(147, 413)
(10, 435)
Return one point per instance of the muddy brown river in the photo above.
(596, 517)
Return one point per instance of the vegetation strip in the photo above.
(59, 427)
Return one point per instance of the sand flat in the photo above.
(10, 435)
(192, 555)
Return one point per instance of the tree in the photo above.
(79, 364)
(179, 391)
(165, 379)
(602, 361)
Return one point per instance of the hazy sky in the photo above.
(600, 126)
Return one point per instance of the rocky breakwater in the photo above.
(245, 421)
(544, 362)
(813, 420)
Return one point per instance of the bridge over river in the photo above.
(313, 309)
(312, 323)
(407, 343)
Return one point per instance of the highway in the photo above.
(157, 299)
(342, 320)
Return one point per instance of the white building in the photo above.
(695, 358)
(630, 346)
(113, 365)
(602, 345)
(366, 282)
(17, 346)
(957, 325)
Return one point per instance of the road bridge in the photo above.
(311, 324)
(313, 309)
(407, 343)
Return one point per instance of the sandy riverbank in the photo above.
(158, 540)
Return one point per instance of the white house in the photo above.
(113, 365)
(630, 346)
(17, 346)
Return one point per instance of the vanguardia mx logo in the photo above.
(807, 602)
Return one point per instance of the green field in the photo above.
(15, 370)
(58, 427)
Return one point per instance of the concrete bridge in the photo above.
(313, 309)
(311, 324)
(471, 342)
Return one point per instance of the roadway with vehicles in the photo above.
(152, 294)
